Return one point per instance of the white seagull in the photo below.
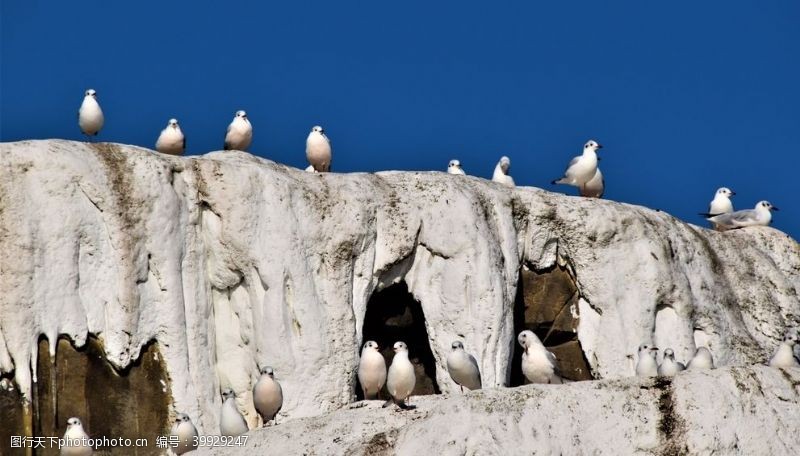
(186, 433)
(454, 167)
(267, 395)
(595, 187)
(90, 116)
(538, 364)
(371, 370)
(401, 378)
(76, 440)
(646, 366)
(501, 172)
(582, 168)
(702, 359)
(463, 368)
(784, 355)
(240, 133)
(669, 366)
(231, 421)
(721, 204)
(318, 150)
(171, 140)
(760, 216)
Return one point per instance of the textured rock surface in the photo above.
(230, 262)
(722, 411)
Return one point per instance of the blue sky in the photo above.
(685, 96)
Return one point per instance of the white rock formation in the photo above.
(722, 411)
(230, 261)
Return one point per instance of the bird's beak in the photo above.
(775, 208)
(732, 193)
(599, 146)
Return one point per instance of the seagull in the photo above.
(267, 395)
(582, 168)
(240, 133)
(501, 172)
(669, 366)
(784, 355)
(318, 150)
(463, 368)
(595, 187)
(371, 370)
(702, 359)
(538, 364)
(186, 433)
(721, 204)
(454, 167)
(401, 378)
(76, 440)
(171, 140)
(90, 116)
(647, 366)
(760, 216)
(231, 422)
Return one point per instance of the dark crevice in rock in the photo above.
(671, 427)
(394, 315)
(547, 303)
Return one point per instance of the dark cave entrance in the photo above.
(394, 315)
(545, 304)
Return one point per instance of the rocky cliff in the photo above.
(219, 264)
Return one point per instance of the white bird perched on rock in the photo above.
(267, 395)
(318, 150)
(501, 172)
(784, 354)
(582, 168)
(721, 204)
(186, 433)
(454, 167)
(595, 187)
(240, 133)
(76, 440)
(669, 366)
(371, 370)
(646, 365)
(231, 421)
(90, 116)
(171, 140)
(463, 367)
(401, 378)
(538, 364)
(702, 359)
(760, 216)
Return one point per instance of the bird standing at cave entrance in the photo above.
(231, 421)
(401, 379)
(582, 168)
(669, 367)
(721, 204)
(75, 439)
(454, 167)
(784, 355)
(702, 359)
(760, 216)
(463, 368)
(538, 364)
(171, 140)
(646, 366)
(90, 116)
(501, 172)
(186, 433)
(371, 370)
(595, 187)
(267, 395)
(240, 132)
(318, 150)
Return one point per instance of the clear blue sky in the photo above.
(685, 96)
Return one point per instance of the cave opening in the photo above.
(547, 304)
(394, 315)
